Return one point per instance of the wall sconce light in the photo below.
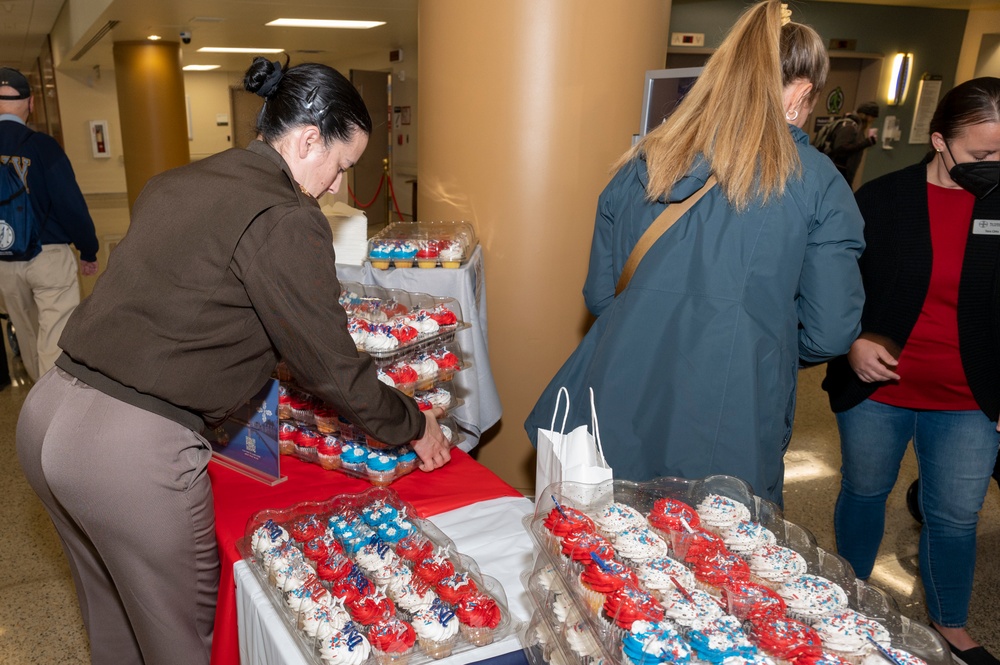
(899, 83)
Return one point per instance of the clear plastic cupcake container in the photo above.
(422, 245)
(556, 567)
(281, 592)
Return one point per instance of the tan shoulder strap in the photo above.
(659, 226)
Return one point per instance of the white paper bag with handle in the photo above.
(575, 456)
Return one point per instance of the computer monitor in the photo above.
(663, 91)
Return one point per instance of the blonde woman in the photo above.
(694, 364)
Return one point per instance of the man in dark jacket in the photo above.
(852, 138)
(42, 292)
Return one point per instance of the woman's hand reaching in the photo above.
(432, 448)
(871, 361)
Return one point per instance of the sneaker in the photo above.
(973, 656)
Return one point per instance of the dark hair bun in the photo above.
(263, 77)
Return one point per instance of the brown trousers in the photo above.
(129, 494)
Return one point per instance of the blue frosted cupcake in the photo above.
(381, 468)
(378, 512)
(407, 461)
(403, 253)
(654, 643)
(380, 254)
(353, 458)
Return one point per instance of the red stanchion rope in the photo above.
(358, 203)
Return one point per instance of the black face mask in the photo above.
(978, 178)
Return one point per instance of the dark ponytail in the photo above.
(306, 94)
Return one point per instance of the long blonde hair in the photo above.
(734, 113)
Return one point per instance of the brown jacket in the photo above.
(227, 267)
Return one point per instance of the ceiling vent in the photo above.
(105, 29)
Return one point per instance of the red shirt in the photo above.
(930, 366)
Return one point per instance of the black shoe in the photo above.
(912, 503)
(973, 656)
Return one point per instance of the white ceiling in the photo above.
(25, 23)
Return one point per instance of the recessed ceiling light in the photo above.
(154, 38)
(199, 68)
(323, 23)
(220, 49)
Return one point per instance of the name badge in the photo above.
(986, 227)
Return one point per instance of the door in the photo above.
(370, 189)
(244, 107)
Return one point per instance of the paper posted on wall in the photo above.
(575, 456)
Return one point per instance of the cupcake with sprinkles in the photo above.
(563, 520)
(414, 548)
(786, 640)
(600, 578)
(850, 635)
(746, 600)
(267, 535)
(345, 647)
(436, 629)
(453, 588)
(662, 576)
(692, 610)
(434, 568)
(478, 616)
(580, 545)
(639, 543)
(630, 604)
(716, 571)
(653, 643)
(617, 518)
(720, 639)
(773, 565)
(392, 641)
(810, 598)
(718, 513)
(745, 537)
(670, 515)
(582, 641)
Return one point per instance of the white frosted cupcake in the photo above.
(808, 598)
(639, 543)
(848, 634)
(268, 535)
(658, 575)
(693, 611)
(773, 565)
(617, 518)
(565, 609)
(744, 537)
(718, 513)
(436, 629)
(582, 641)
(345, 647)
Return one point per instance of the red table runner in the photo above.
(461, 482)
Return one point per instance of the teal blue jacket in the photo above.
(694, 365)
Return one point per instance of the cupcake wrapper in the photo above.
(478, 636)
(770, 584)
(403, 263)
(392, 657)
(438, 649)
(381, 478)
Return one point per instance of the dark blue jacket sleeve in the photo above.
(62, 206)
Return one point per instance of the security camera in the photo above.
(185, 36)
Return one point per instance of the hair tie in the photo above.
(270, 84)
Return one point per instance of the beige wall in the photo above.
(524, 106)
(981, 22)
(208, 94)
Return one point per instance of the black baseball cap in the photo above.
(16, 80)
(869, 108)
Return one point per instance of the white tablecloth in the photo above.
(476, 387)
(490, 532)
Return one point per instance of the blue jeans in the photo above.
(956, 451)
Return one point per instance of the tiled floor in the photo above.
(40, 621)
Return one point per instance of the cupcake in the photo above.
(381, 468)
(394, 531)
(478, 617)
(427, 253)
(773, 565)
(755, 602)
(580, 545)
(335, 567)
(565, 609)
(453, 588)
(447, 362)
(378, 512)
(692, 610)
(716, 571)
(426, 369)
(691, 546)
(358, 330)
(850, 635)
(582, 641)
(352, 458)
(326, 419)
(809, 598)
(352, 586)
(670, 515)
(380, 339)
(301, 407)
(322, 621)
(284, 403)
(639, 543)
(404, 376)
(406, 462)
(374, 555)
(662, 575)
(345, 647)
(306, 528)
(287, 436)
(605, 577)
(403, 332)
(437, 397)
(380, 254)
(718, 513)
(392, 640)
(423, 323)
(444, 316)
(371, 607)
(306, 443)
(451, 253)
(318, 548)
(653, 643)
(617, 518)
(411, 594)
(436, 629)
(787, 640)
(403, 252)
(629, 604)
(434, 568)
(722, 638)
(328, 451)
(745, 537)
(267, 535)
(414, 548)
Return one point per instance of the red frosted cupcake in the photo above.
(371, 608)
(326, 419)
(563, 520)
(716, 571)
(306, 443)
(630, 604)
(605, 577)
(478, 616)
(317, 549)
(447, 363)
(427, 253)
(414, 548)
(746, 600)
(579, 546)
(329, 452)
(392, 640)
(403, 332)
(402, 373)
(670, 515)
(692, 546)
(352, 586)
(433, 569)
(307, 528)
(453, 588)
(334, 567)
(444, 316)
(786, 639)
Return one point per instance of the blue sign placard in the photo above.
(248, 440)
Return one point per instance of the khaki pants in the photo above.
(40, 295)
